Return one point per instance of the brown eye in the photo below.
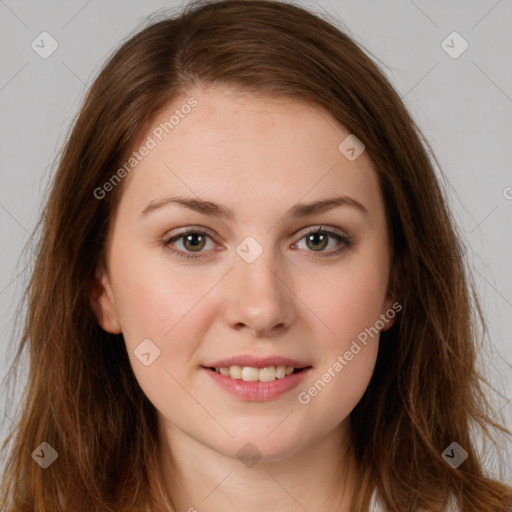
(193, 242)
(317, 241)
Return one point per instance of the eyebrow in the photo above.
(217, 210)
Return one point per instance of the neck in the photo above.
(199, 478)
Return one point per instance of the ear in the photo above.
(102, 302)
(392, 303)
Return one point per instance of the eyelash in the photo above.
(344, 240)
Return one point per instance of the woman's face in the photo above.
(254, 288)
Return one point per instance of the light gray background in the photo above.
(463, 105)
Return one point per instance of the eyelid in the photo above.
(303, 233)
(322, 227)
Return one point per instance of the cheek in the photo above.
(154, 297)
(350, 304)
(352, 299)
(155, 301)
(337, 387)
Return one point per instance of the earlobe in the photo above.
(392, 304)
(392, 308)
(103, 304)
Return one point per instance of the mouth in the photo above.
(255, 379)
(255, 374)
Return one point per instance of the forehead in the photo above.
(235, 146)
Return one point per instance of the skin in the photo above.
(259, 157)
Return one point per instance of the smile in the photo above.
(257, 384)
(251, 374)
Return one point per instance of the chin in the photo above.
(259, 445)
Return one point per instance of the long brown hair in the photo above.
(82, 397)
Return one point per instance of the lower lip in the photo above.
(257, 391)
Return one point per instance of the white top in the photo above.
(376, 504)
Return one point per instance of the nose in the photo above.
(259, 297)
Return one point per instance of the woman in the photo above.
(225, 162)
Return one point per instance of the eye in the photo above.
(193, 241)
(317, 239)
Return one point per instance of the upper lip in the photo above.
(256, 362)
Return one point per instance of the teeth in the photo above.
(267, 374)
(281, 372)
(251, 374)
(235, 372)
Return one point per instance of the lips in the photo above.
(257, 378)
